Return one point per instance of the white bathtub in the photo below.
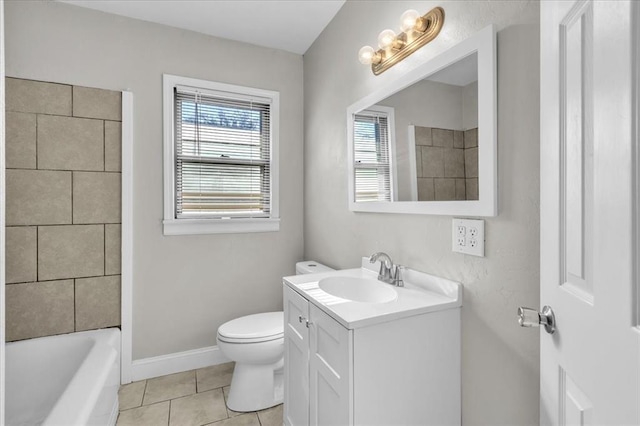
(65, 380)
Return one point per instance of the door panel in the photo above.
(296, 358)
(330, 371)
(589, 369)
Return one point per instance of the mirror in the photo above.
(426, 143)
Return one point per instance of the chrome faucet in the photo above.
(389, 273)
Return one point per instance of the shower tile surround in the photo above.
(446, 164)
(62, 208)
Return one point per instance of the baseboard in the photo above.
(178, 362)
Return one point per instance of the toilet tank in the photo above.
(311, 267)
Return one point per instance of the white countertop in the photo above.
(422, 293)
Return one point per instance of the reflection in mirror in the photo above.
(426, 142)
(435, 140)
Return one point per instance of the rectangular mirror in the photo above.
(426, 143)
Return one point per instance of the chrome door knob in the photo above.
(528, 317)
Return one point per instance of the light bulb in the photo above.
(386, 38)
(365, 55)
(408, 19)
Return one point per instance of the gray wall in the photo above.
(184, 286)
(500, 370)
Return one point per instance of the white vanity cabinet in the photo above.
(397, 371)
(318, 356)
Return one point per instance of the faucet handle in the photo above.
(397, 276)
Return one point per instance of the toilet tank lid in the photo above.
(311, 267)
(268, 324)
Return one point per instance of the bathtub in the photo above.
(71, 379)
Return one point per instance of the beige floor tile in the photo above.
(215, 376)
(130, 396)
(198, 409)
(149, 415)
(231, 413)
(271, 416)
(169, 387)
(248, 419)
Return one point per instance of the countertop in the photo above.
(421, 294)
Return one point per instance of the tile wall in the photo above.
(446, 164)
(63, 186)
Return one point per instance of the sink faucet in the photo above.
(389, 273)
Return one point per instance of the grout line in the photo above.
(37, 141)
(72, 173)
(65, 170)
(75, 318)
(144, 393)
(64, 279)
(64, 224)
(37, 256)
(104, 249)
(104, 146)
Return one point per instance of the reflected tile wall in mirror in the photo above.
(446, 164)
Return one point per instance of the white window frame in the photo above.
(182, 226)
(390, 114)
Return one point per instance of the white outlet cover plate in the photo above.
(468, 236)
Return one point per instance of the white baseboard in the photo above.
(178, 362)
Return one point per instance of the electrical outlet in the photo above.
(468, 236)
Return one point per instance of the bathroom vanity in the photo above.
(386, 359)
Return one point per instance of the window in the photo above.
(372, 154)
(221, 146)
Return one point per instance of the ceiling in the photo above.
(291, 25)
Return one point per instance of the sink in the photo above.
(358, 289)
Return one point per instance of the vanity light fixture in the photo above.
(416, 32)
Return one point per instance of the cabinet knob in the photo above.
(306, 321)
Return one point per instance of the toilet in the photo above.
(256, 344)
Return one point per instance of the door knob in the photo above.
(528, 317)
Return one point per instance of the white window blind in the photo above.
(222, 155)
(372, 158)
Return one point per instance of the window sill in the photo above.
(219, 226)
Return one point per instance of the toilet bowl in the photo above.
(256, 344)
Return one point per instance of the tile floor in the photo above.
(192, 398)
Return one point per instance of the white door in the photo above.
(590, 366)
(296, 359)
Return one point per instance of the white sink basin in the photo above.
(359, 289)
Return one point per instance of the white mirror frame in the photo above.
(484, 43)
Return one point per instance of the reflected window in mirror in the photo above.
(374, 143)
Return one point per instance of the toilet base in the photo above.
(256, 387)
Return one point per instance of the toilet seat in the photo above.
(255, 328)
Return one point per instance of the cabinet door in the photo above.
(296, 359)
(330, 372)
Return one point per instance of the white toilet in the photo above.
(256, 344)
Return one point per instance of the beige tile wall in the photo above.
(446, 164)
(62, 208)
